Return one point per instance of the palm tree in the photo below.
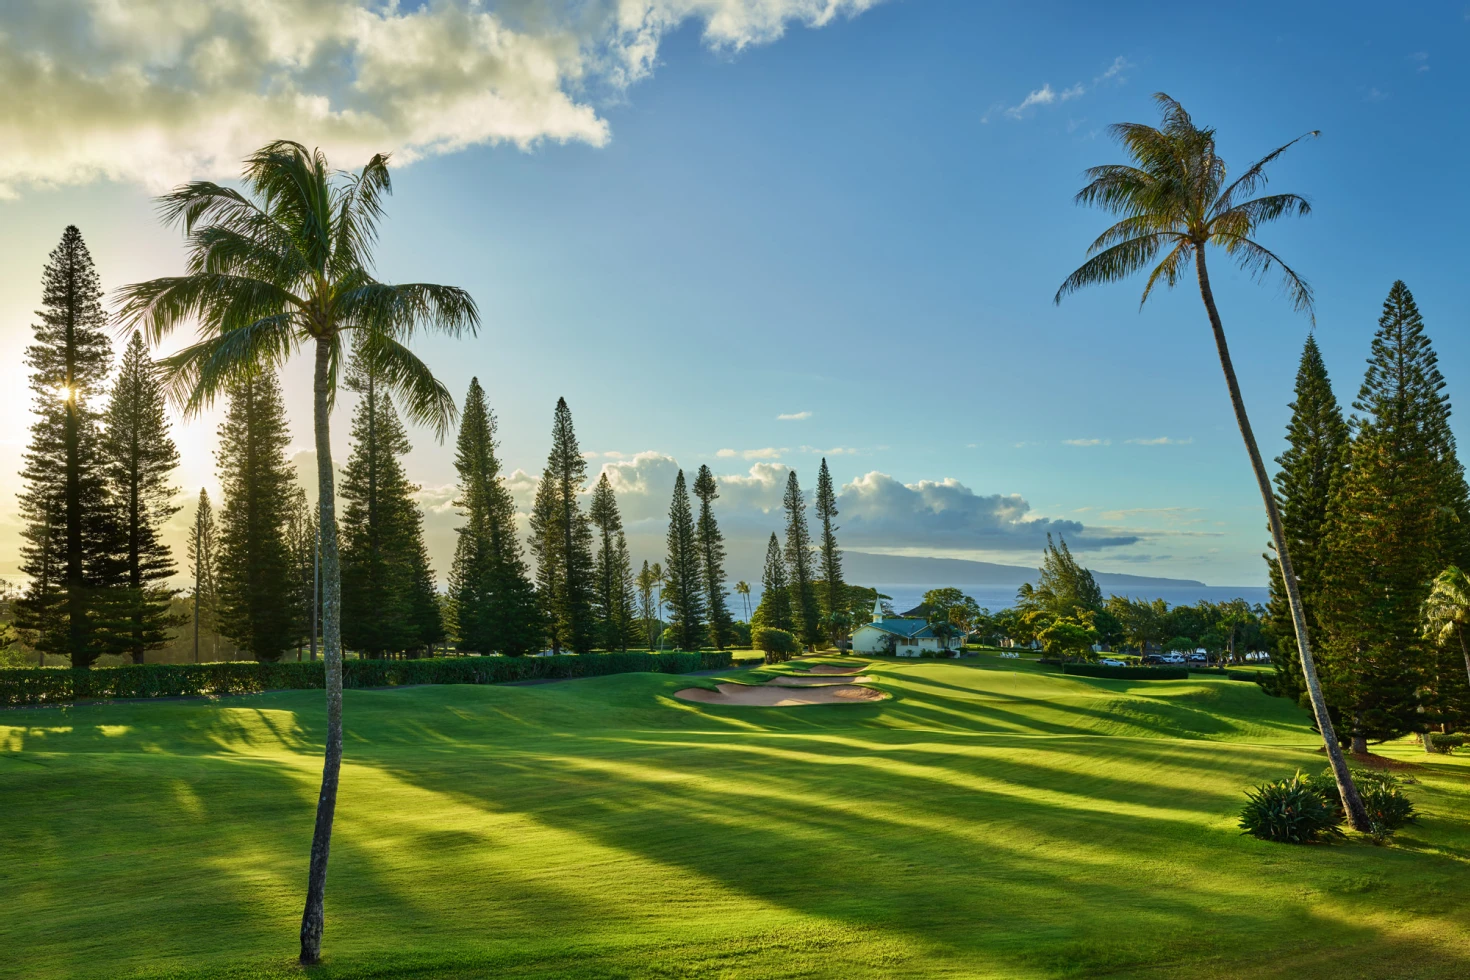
(1173, 199)
(742, 589)
(287, 264)
(1447, 610)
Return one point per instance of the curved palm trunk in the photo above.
(326, 806)
(1352, 803)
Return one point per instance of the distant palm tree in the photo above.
(742, 589)
(1174, 199)
(284, 265)
(1447, 610)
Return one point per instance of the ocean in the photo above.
(997, 597)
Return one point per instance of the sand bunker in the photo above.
(776, 697)
(835, 669)
(790, 680)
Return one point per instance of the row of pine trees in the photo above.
(1375, 506)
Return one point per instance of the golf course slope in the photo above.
(990, 818)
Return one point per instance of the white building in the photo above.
(900, 635)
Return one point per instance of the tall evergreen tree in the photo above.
(204, 575)
(490, 590)
(385, 574)
(73, 548)
(301, 539)
(683, 584)
(830, 560)
(561, 540)
(711, 545)
(1386, 539)
(648, 581)
(140, 457)
(256, 580)
(1318, 449)
(613, 604)
(805, 611)
(774, 609)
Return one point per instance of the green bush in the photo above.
(1290, 811)
(48, 685)
(1445, 744)
(1128, 673)
(1388, 808)
(779, 646)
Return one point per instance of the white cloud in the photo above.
(793, 416)
(1046, 95)
(156, 91)
(1161, 441)
(1041, 96)
(1087, 442)
(768, 452)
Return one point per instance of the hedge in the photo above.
(1128, 673)
(48, 685)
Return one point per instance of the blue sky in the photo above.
(865, 220)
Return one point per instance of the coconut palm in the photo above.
(286, 264)
(742, 589)
(1447, 610)
(1174, 200)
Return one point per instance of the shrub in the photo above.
(1290, 811)
(1128, 673)
(1445, 744)
(779, 646)
(1388, 808)
(48, 685)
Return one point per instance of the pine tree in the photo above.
(256, 579)
(627, 587)
(204, 575)
(140, 456)
(614, 604)
(387, 587)
(805, 612)
(1317, 454)
(495, 605)
(648, 581)
(711, 546)
(301, 539)
(1386, 539)
(73, 549)
(561, 540)
(1064, 587)
(774, 609)
(830, 562)
(683, 588)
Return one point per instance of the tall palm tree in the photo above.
(1174, 200)
(742, 589)
(283, 264)
(1447, 610)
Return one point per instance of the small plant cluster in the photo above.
(779, 646)
(1308, 809)
(1445, 744)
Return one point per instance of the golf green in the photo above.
(991, 819)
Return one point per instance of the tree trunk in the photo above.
(321, 841)
(1464, 649)
(1352, 803)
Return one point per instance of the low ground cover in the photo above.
(994, 818)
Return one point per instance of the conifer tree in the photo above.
(647, 581)
(711, 545)
(140, 457)
(805, 611)
(387, 587)
(495, 605)
(256, 579)
(627, 585)
(73, 548)
(614, 603)
(683, 585)
(561, 540)
(301, 539)
(1317, 454)
(774, 609)
(1386, 539)
(204, 574)
(830, 562)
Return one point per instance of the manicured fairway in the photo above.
(990, 820)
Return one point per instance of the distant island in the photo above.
(862, 566)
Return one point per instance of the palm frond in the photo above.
(1136, 226)
(400, 310)
(423, 398)
(296, 185)
(1244, 218)
(1170, 269)
(359, 210)
(198, 374)
(1113, 264)
(1255, 175)
(221, 303)
(1258, 261)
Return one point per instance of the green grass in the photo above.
(994, 819)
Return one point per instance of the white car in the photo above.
(1110, 662)
(1173, 658)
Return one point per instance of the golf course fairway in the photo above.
(990, 819)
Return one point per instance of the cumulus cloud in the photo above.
(793, 416)
(156, 91)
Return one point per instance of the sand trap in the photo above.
(835, 669)
(775, 697)
(787, 680)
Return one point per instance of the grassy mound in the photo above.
(992, 819)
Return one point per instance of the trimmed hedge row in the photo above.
(1128, 673)
(48, 685)
(1234, 675)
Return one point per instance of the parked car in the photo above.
(1110, 662)
(1172, 658)
(1153, 658)
(1198, 658)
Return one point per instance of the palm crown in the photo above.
(1447, 609)
(287, 261)
(1174, 200)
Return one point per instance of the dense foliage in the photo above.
(1291, 811)
(561, 540)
